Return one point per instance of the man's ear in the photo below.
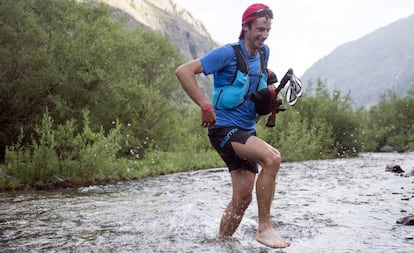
(245, 27)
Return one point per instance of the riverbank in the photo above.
(154, 164)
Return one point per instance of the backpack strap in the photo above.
(242, 63)
(262, 51)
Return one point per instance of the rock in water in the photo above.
(394, 168)
(409, 220)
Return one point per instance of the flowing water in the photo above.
(342, 205)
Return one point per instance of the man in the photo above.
(231, 121)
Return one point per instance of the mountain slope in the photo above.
(371, 65)
(184, 31)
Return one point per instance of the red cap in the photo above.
(253, 12)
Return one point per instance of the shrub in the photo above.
(58, 155)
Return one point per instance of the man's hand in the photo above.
(208, 117)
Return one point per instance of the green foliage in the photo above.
(68, 56)
(335, 110)
(158, 163)
(392, 121)
(190, 134)
(149, 118)
(297, 139)
(58, 155)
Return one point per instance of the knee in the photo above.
(242, 201)
(272, 162)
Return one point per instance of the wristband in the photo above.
(207, 110)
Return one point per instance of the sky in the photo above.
(303, 31)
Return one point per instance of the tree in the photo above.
(69, 56)
(337, 111)
(392, 121)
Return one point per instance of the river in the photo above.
(340, 205)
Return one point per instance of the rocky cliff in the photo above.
(184, 31)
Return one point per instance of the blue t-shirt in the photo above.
(222, 63)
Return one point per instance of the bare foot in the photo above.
(271, 239)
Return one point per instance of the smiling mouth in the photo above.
(260, 41)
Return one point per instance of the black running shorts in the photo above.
(221, 138)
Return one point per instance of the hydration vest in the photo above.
(231, 96)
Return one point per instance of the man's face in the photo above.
(258, 33)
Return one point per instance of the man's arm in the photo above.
(186, 74)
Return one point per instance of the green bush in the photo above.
(336, 110)
(297, 139)
(58, 155)
(158, 163)
(392, 122)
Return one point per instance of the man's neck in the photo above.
(251, 49)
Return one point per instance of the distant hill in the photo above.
(371, 65)
(184, 31)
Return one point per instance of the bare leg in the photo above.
(265, 189)
(269, 158)
(243, 182)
